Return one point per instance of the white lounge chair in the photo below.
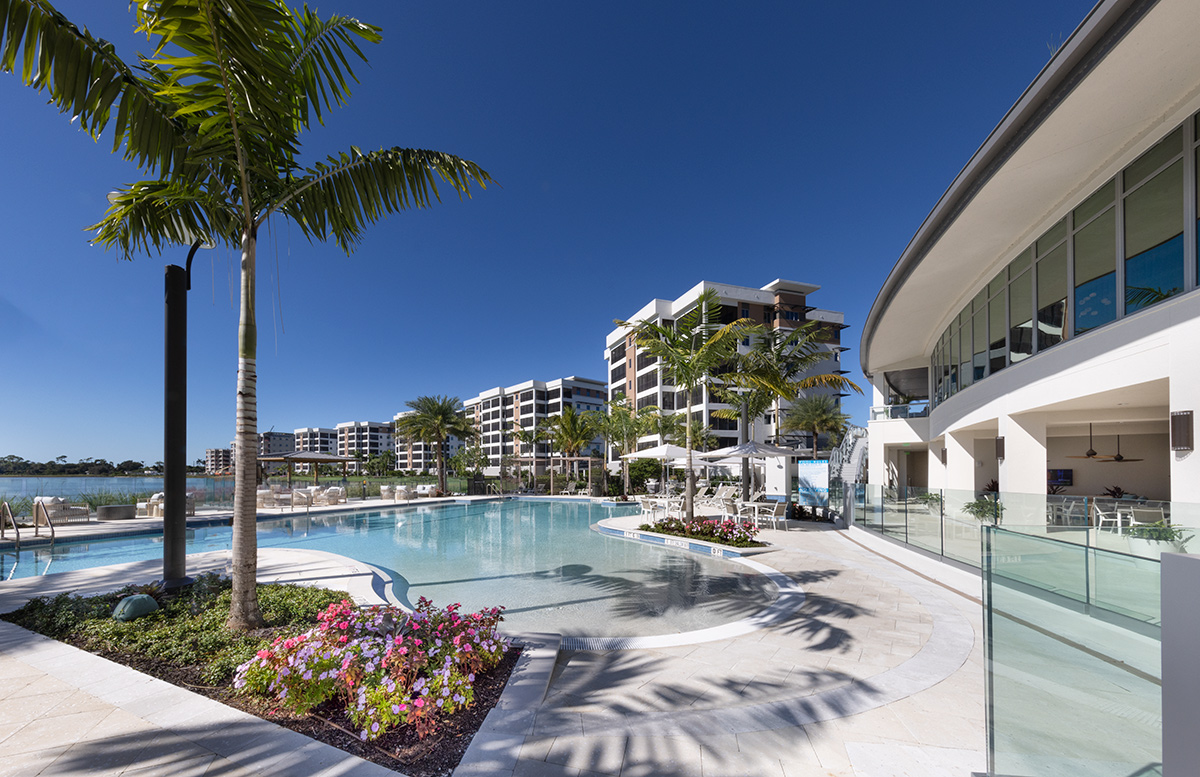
(56, 510)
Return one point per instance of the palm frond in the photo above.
(158, 214)
(341, 196)
(319, 58)
(85, 78)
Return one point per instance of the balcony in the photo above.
(919, 409)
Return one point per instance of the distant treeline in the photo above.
(15, 465)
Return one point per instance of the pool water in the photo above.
(537, 558)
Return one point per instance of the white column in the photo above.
(960, 461)
(937, 470)
(876, 461)
(1185, 395)
(1023, 470)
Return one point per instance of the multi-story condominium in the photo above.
(499, 412)
(780, 305)
(274, 444)
(416, 455)
(1041, 327)
(314, 439)
(370, 437)
(218, 461)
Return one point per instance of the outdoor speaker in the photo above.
(1181, 431)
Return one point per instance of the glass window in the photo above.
(998, 345)
(1020, 316)
(1021, 263)
(1095, 271)
(998, 283)
(979, 361)
(1102, 198)
(952, 360)
(1051, 238)
(1147, 163)
(1052, 298)
(1154, 240)
(964, 349)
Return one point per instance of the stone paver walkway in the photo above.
(879, 673)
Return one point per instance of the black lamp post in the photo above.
(178, 282)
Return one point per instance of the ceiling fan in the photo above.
(1119, 458)
(1091, 451)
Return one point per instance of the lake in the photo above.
(18, 487)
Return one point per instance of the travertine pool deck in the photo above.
(878, 672)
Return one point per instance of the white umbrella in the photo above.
(664, 451)
(750, 449)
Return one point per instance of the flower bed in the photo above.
(726, 532)
(386, 667)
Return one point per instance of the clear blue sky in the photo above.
(641, 147)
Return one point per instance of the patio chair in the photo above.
(1145, 516)
(1107, 516)
(264, 497)
(152, 508)
(760, 512)
(56, 510)
(303, 497)
(405, 493)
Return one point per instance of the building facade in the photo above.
(314, 439)
(781, 305)
(371, 438)
(417, 456)
(499, 412)
(1042, 324)
(218, 461)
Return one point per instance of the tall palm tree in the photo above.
(817, 414)
(217, 112)
(779, 360)
(690, 352)
(433, 420)
(572, 431)
(621, 427)
(528, 436)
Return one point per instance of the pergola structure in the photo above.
(310, 457)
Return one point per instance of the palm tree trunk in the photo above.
(441, 468)
(244, 613)
(689, 484)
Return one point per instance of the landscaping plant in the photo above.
(725, 532)
(387, 667)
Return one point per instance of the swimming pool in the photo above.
(537, 558)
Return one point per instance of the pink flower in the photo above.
(419, 703)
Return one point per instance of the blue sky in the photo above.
(640, 147)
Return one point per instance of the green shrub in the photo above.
(189, 630)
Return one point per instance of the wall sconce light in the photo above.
(943, 456)
(1182, 434)
(1000, 448)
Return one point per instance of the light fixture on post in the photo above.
(1182, 431)
(1000, 448)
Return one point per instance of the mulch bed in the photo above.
(436, 755)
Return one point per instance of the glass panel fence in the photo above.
(1072, 644)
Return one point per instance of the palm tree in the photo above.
(217, 113)
(621, 427)
(433, 420)
(777, 360)
(527, 436)
(572, 431)
(817, 414)
(690, 352)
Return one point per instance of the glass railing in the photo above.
(918, 409)
(1073, 656)
(947, 522)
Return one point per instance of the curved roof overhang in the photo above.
(1128, 68)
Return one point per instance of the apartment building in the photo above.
(498, 412)
(314, 439)
(218, 461)
(781, 305)
(416, 455)
(370, 437)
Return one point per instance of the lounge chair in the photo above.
(387, 492)
(56, 510)
(151, 508)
